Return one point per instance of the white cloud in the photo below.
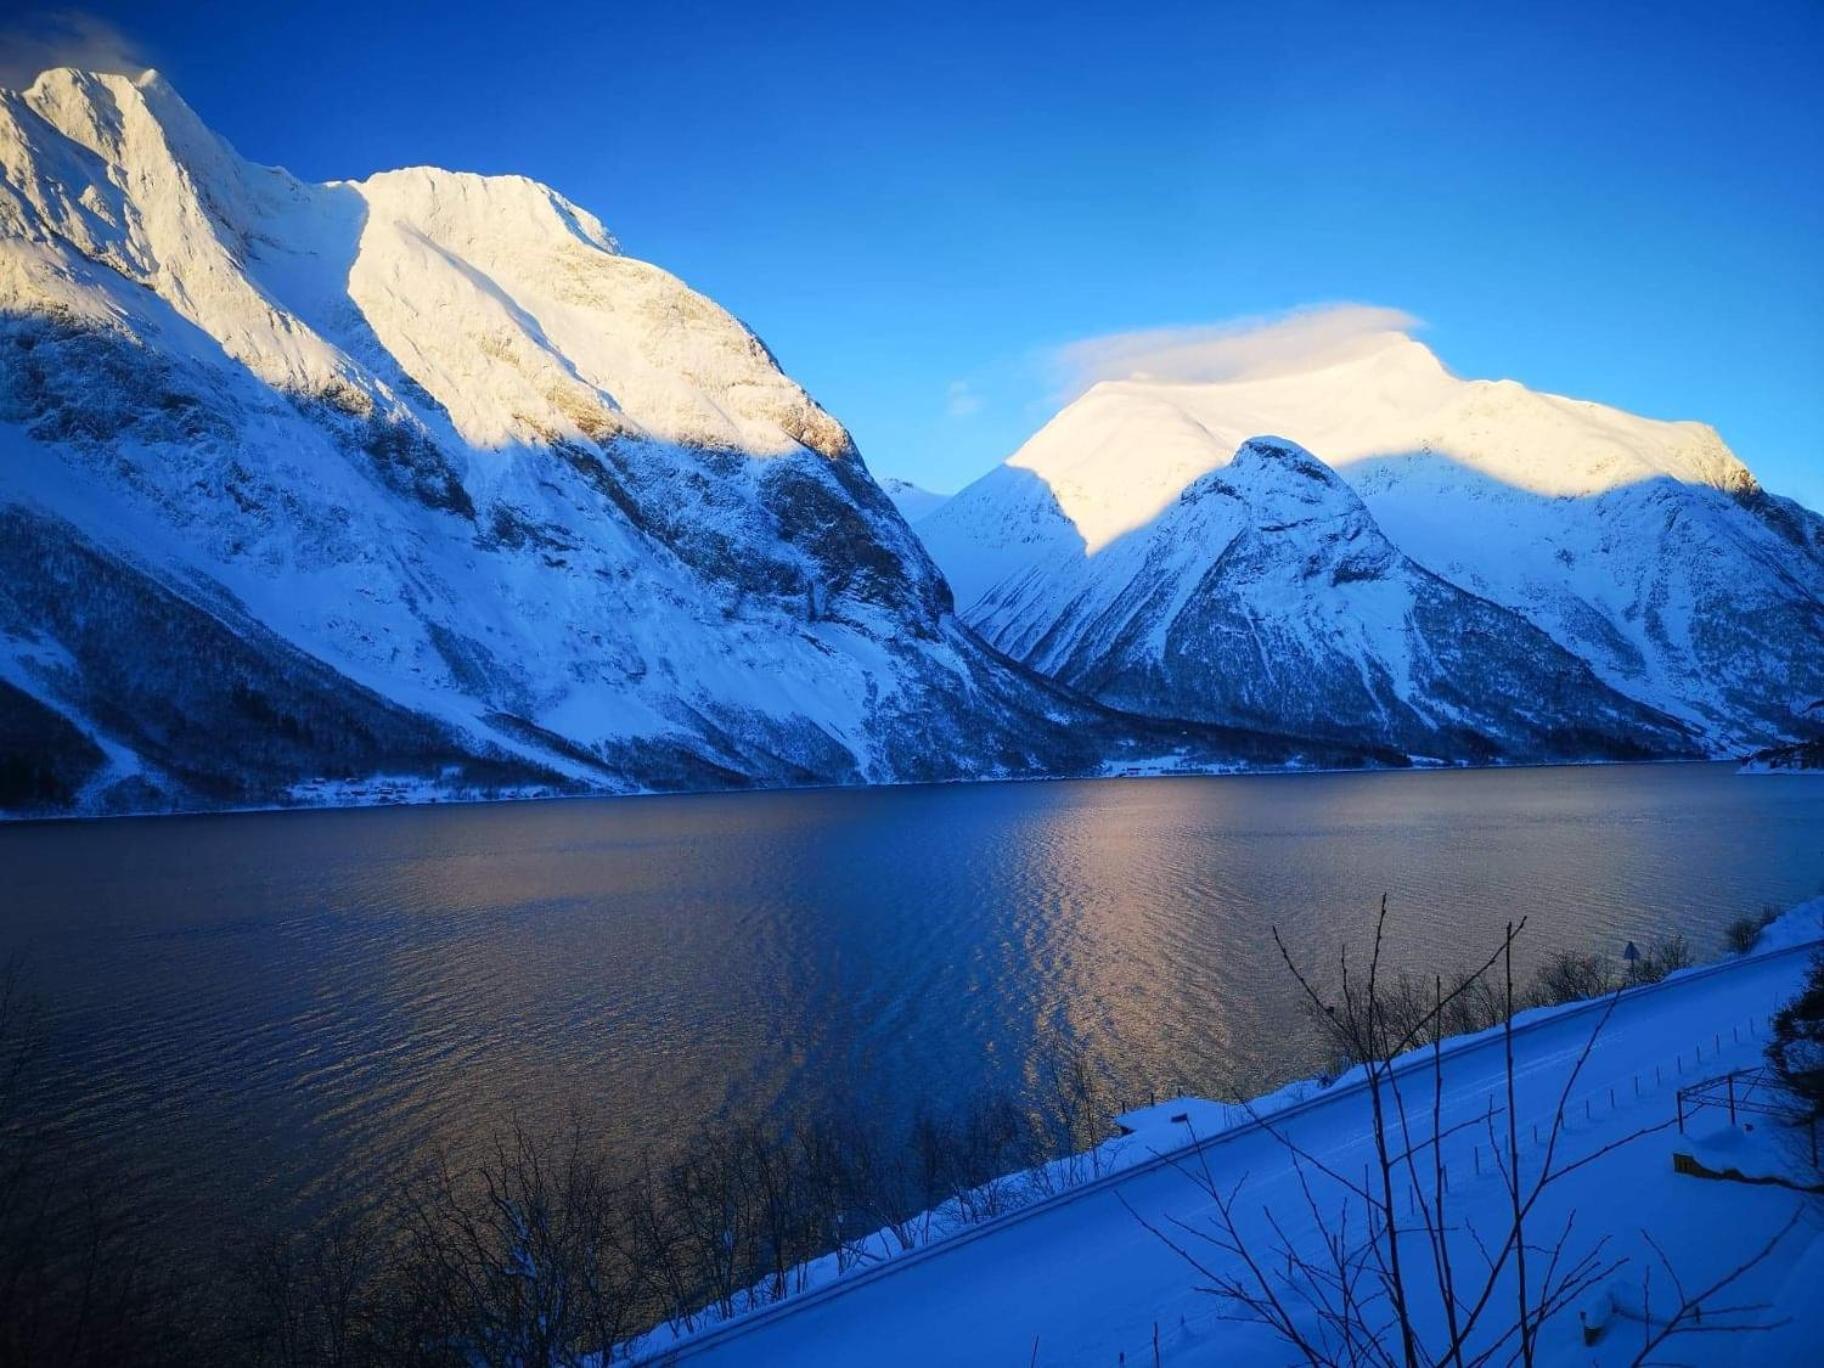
(1245, 348)
(961, 400)
(57, 38)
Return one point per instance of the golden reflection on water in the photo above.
(285, 994)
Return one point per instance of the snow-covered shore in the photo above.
(1075, 1272)
(1805, 757)
(390, 791)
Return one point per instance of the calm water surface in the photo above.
(250, 1002)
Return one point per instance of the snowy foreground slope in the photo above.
(1080, 1276)
(417, 486)
(1547, 527)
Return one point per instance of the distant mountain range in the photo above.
(1470, 571)
(417, 487)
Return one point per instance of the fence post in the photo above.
(1732, 1099)
(1681, 1111)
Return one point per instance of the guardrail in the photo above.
(1758, 1092)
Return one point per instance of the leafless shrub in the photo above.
(970, 1161)
(1391, 1244)
(887, 1194)
(1471, 1002)
(521, 1259)
(1744, 932)
(326, 1294)
(1664, 956)
(1406, 1014)
(1072, 1114)
(1572, 976)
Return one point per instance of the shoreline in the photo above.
(10, 820)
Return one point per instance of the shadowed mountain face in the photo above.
(1266, 590)
(1479, 571)
(417, 486)
(1705, 601)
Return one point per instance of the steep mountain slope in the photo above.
(417, 484)
(1645, 549)
(1266, 591)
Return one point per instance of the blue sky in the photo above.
(917, 207)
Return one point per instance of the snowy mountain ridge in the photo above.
(315, 288)
(418, 484)
(1644, 548)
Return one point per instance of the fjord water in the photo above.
(247, 1003)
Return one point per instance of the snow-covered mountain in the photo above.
(1491, 534)
(418, 484)
(1265, 594)
(912, 501)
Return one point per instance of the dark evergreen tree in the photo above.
(1796, 1051)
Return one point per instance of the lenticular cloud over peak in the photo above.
(1239, 349)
